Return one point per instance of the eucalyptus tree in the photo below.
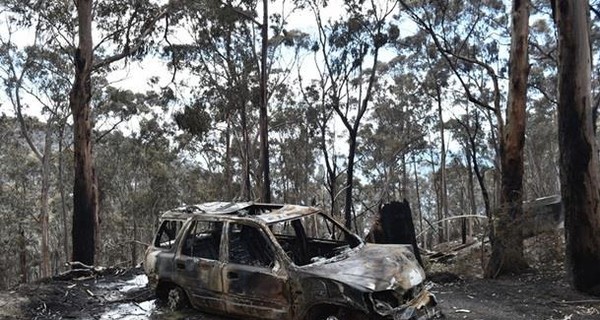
(468, 130)
(122, 30)
(507, 244)
(433, 78)
(397, 126)
(139, 180)
(223, 56)
(313, 95)
(507, 253)
(20, 177)
(349, 49)
(35, 80)
(578, 149)
(295, 144)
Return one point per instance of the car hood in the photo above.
(372, 267)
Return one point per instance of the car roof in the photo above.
(264, 212)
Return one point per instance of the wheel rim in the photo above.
(174, 299)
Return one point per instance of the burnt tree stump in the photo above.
(394, 225)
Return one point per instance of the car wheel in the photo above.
(176, 299)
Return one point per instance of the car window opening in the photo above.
(203, 240)
(312, 238)
(248, 246)
(165, 238)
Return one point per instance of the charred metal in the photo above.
(281, 262)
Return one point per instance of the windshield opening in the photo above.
(312, 238)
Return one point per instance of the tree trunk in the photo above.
(246, 186)
(424, 241)
(463, 221)
(61, 188)
(134, 253)
(44, 218)
(85, 204)
(263, 115)
(404, 182)
(443, 187)
(22, 255)
(471, 192)
(578, 151)
(507, 245)
(350, 180)
(438, 206)
(228, 175)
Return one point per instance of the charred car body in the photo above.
(281, 262)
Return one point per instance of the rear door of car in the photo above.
(254, 283)
(198, 264)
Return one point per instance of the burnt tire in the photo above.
(176, 299)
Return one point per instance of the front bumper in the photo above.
(421, 307)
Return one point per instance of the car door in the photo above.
(198, 267)
(254, 283)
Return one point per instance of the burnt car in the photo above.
(271, 261)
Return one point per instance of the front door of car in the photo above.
(253, 281)
(198, 267)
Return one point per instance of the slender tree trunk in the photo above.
(61, 188)
(134, 253)
(471, 192)
(22, 255)
(85, 204)
(246, 187)
(507, 245)
(44, 216)
(350, 179)
(423, 236)
(404, 182)
(443, 186)
(228, 175)
(463, 221)
(263, 115)
(578, 151)
(438, 202)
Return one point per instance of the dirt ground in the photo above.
(542, 293)
(535, 295)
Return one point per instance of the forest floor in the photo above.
(542, 293)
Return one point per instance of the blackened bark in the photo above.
(578, 154)
(22, 255)
(350, 180)
(263, 114)
(85, 204)
(507, 244)
(395, 225)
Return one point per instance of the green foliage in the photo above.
(193, 120)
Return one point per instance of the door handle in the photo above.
(232, 275)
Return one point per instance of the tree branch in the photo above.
(137, 43)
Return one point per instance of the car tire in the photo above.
(176, 299)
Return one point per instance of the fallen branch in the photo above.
(579, 301)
